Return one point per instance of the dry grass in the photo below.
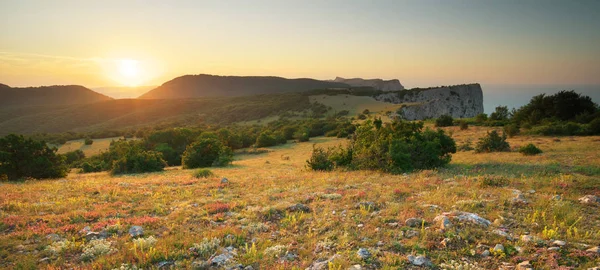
(249, 212)
(95, 148)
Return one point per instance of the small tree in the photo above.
(500, 114)
(139, 161)
(206, 152)
(530, 150)
(21, 158)
(88, 141)
(319, 160)
(511, 130)
(493, 142)
(444, 121)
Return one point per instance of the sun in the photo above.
(129, 70)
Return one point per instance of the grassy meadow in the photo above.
(273, 213)
(95, 148)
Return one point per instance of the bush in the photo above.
(511, 130)
(203, 173)
(265, 139)
(493, 181)
(319, 160)
(398, 147)
(481, 118)
(464, 125)
(73, 157)
(139, 161)
(492, 143)
(530, 150)
(500, 114)
(444, 121)
(362, 117)
(466, 146)
(88, 141)
(206, 152)
(88, 167)
(594, 127)
(21, 158)
(302, 135)
(366, 111)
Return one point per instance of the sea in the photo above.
(515, 96)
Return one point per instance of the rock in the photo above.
(53, 237)
(519, 200)
(419, 260)
(499, 247)
(460, 101)
(526, 238)
(531, 191)
(85, 230)
(299, 208)
(200, 264)
(165, 264)
(136, 231)
(360, 225)
(355, 267)
(322, 264)
(524, 266)
(444, 222)
(92, 235)
(224, 181)
(485, 253)
(590, 199)
(594, 250)
(45, 259)
(380, 244)
(393, 224)
(502, 233)
(468, 217)
(413, 222)
(559, 243)
(553, 248)
(411, 234)
(556, 197)
(363, 253)
(224, 258)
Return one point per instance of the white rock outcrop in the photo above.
(459, 101)
(378, 84)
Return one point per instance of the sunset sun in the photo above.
(129, 71)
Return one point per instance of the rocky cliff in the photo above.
(379, 84)
(459, 101)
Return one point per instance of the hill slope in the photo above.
(190, 86)
(47, 95)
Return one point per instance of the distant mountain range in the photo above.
(123, 91)
(193, 86)
(48, 95)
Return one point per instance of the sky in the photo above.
(422, 42)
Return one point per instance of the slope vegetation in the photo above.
(47, 95)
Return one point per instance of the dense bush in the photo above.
(511, 130)
(22, 157)
(203, 173)
(88, 141)
(395, 148)
(493, 142)
(73, 157)
(530, 150)
(266, 139)
(171, 143)
(562, 106)
(500, 114)
(206, 152)
(444, 121)
(302, 135)
(319, 160)
(138, 160)
(481, 118)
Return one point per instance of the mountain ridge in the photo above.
(48, 95)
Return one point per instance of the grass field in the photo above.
(98, 146)
(254, 218)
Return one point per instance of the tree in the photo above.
(206, 152)
(501, 113)
(22, 157)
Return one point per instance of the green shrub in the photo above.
(302, 135)
(203, 173)
(319, 160)
(500, 114)
(74, 157)
(139, 161)
(530, 150)
(594, 127)
(464, 125)
(265, 139)
(493, 181)
(444, 121)
(511, 130)
(492, 142)
(88, 141)
(481, 118)
(22, 157)
(206, 152)
(88, 167)
(362, 117)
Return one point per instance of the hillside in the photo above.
(379, 84)
(123, 91)
(129, 114)
(191, 86)
(47, 95)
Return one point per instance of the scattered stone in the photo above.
(224, 258)
(444, 222)
(322, 264)
(531, 191)
(519, 200)
(380, 244)
(299, 208)
(393, 224)
(559, 243)
(200, 264)
(53, 237)
(419, 260)
(553, 248)
(224, 181)
(526, 238)
(413, 222)
(411, 234)
(136, 231)
(45, 259)
(498, 222)
(485, 253)
(556, 197)
(364, 253)
(432, 207)
(92, 235)
(502, 233)
(355, 267)
(594, 249)
(526, 265)
(590, 199)
(499, 247)
(360, 225)
(165, 264)
(469, 217)
(85, 230)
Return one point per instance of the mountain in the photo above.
(193, 86)
(378, 84)
(47, 95)
(123, 91)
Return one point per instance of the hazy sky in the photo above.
(420, 42)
